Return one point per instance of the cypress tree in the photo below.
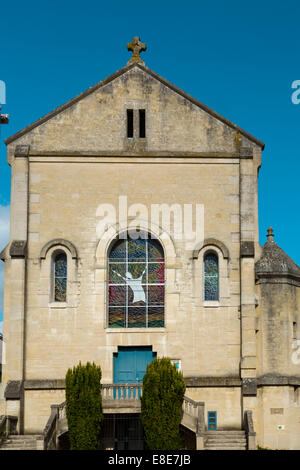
(161, 405)
(84, 406)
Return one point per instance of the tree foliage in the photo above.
(84, 406)
(161, 410)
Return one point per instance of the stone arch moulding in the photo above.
(211, 242)
(59, 242)
(114, 231)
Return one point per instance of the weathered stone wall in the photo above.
(278, 328)
(205, 338)
(279, 413)
(226, 401)
(37, 408)
(97, 122)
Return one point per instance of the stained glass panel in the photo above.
(137, 295)
(211, 277)
(60, 278)
(137, 250)
(116, 317)
(136, 283)
(156, 273)
(136, 317)
(155, 317)
(117, 273)
(117, 295)
(155, 251)
(156, 295)
(136, 271)
(118, 251)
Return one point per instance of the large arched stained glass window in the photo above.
(60, 277)
(211, 276)
(136, 283)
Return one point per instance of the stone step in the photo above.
(21, 442)
(226, 441)
(224, 437)
(11, 446)
(223, 442)
(18, 448)
(21, 437)
(225, 448)
(229, 433)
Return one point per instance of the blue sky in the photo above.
(239, 58)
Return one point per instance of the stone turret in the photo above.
(278, 282)
(275, 263)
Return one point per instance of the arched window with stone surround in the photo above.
(60, 276)
(211, 276)
(136, 282)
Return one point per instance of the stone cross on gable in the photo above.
(136, 46)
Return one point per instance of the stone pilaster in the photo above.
(248, 230)
(14, 318)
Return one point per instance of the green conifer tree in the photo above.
(161, 410)
(84, 406)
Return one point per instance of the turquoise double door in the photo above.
(130, 364)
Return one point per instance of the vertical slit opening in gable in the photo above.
(129, 123)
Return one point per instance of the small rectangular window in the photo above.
(142, 121)
(212, 420)
(294, 330)
(129, 123)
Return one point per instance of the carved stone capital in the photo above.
(249, 387)
(22, 150)
(18, 249)
(246, 152)
(247, 249)
(13, 390)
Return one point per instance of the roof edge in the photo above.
(115, 75)
(203, 106)
(67, 104)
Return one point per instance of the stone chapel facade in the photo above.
(225, 310)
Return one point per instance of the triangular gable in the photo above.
(113, 77)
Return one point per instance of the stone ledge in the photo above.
(277, 380)
(59, 384)
(45, 384)
(213, 381)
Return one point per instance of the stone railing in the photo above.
(249, 430)
(196, 410)
(121, 391)
(50, 431)
(8, 425)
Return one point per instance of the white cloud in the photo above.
(4, 239)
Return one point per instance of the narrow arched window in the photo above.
(60, 277)
(211, 276)
(136, 283)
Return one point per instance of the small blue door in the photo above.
(130, 363)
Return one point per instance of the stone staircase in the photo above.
(22, 442)
(225, 440)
